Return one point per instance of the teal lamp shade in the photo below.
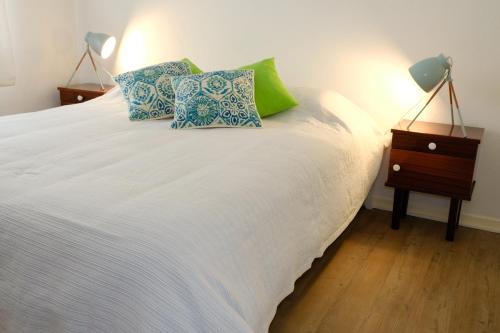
(431, 73)
(428, 73)
(100, 43)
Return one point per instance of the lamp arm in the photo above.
(428, 102)
(407, 112)
(450, 84)
(87, 50)
(452, 88)
(104, 69)
(95, 69)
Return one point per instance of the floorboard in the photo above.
(375, 279)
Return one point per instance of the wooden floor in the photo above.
(376, 279)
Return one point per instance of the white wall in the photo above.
(43, 43)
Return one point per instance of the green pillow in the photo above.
(194, 69)
(271, 95)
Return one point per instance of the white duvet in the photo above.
(108, 225)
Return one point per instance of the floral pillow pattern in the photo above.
(215, 99)
(149, 92)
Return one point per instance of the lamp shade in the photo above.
(428, 73)
(100, 43)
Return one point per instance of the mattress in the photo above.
(108, 225)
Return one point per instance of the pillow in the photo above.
(194, 69)
(148, 91)
(271, 94)
(215, 99)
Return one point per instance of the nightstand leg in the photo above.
(458, 214)
(397, 208)
(452, 219)
(404, 210)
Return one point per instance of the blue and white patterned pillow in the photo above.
(149, 92)
(215, 99)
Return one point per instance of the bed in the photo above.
(108, 225)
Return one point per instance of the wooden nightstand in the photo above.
(433, 158)
(80, 93)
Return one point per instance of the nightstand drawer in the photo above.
(450, 146)
(80, 93)
(431, 173)
(72, 97)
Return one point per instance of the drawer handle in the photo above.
(396, 167)
(79, 98)
(432, 146)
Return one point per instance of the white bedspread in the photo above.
(108, 225)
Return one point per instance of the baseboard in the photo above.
(467, 220)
